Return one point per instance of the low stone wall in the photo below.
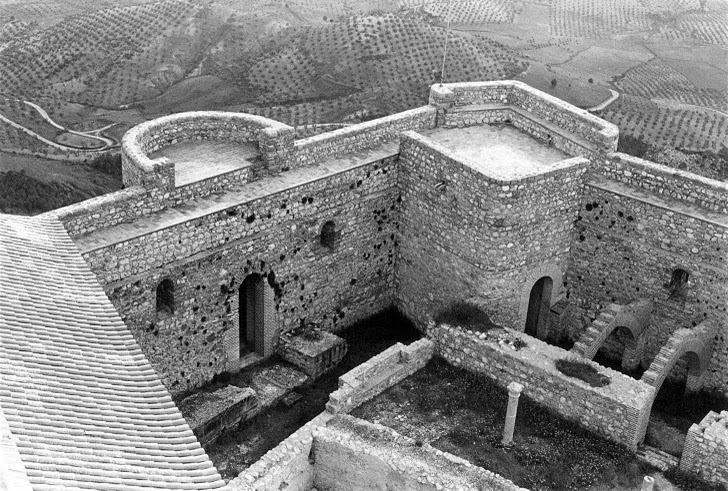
(210, 414)
(619, 411)
(378, 374)
(364, 135)
(562, 114)
(706, 448)
(288, 467)
(355, 455)
(659, 179)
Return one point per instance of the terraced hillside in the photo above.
(382, 64)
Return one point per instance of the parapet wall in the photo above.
(677, 184)
(363, 135)
(619, 411)
(562, 114)
(275, 142)
(706, 448)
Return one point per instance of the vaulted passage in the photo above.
(539, 304)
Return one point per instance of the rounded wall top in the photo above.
(156, 134)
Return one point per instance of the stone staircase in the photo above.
(595, 331)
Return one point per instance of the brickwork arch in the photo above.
(529, 280)
(634, 317)
(696, 343)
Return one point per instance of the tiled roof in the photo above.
(84, 406)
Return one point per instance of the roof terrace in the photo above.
(497, 150)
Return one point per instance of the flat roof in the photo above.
(199, 160)
(498, 150)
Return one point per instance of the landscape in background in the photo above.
(76, 74)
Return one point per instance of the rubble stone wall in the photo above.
(363, 135)
(619, 411)
(463, 234)
(355, 455)
(706, 448)
(277, 236)
(626, 245)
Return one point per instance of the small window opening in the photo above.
(678, 281)
(328, 235)
(165, 296)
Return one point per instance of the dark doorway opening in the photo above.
(539, 306)
(251, 313)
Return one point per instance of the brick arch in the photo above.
(635, 317)
(527, 282)
(697, 343)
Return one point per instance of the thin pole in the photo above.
(444, 53)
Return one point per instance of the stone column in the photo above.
(648, 483)
(514, 392)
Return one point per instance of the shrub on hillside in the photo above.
(466, 315)
(583, 371)
(25, 195)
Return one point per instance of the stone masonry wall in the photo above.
(618, 411)
(477, 236)
(355, 455)
(627, 244)
(700, 191)
(363, 135)
(277, 236)
(554, 110)
(706, 448)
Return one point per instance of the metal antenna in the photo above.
(444, 53)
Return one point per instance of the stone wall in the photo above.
(288, 467)
(364, 135)
(476, 236)
(159, 133)
(277, 236)
(544, 106)
(706, 448)
(378, 374)
(705, 193)
(619, 411)
(626, 245)
(356, 455)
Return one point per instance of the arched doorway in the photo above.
(251, 314)
(539, 306)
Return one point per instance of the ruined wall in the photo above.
(277, 236)
(356, 455)
(618, 411)
(626, 245)
(476, 236)
(706, 448)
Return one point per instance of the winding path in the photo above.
(604, 104)
(108, 142)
